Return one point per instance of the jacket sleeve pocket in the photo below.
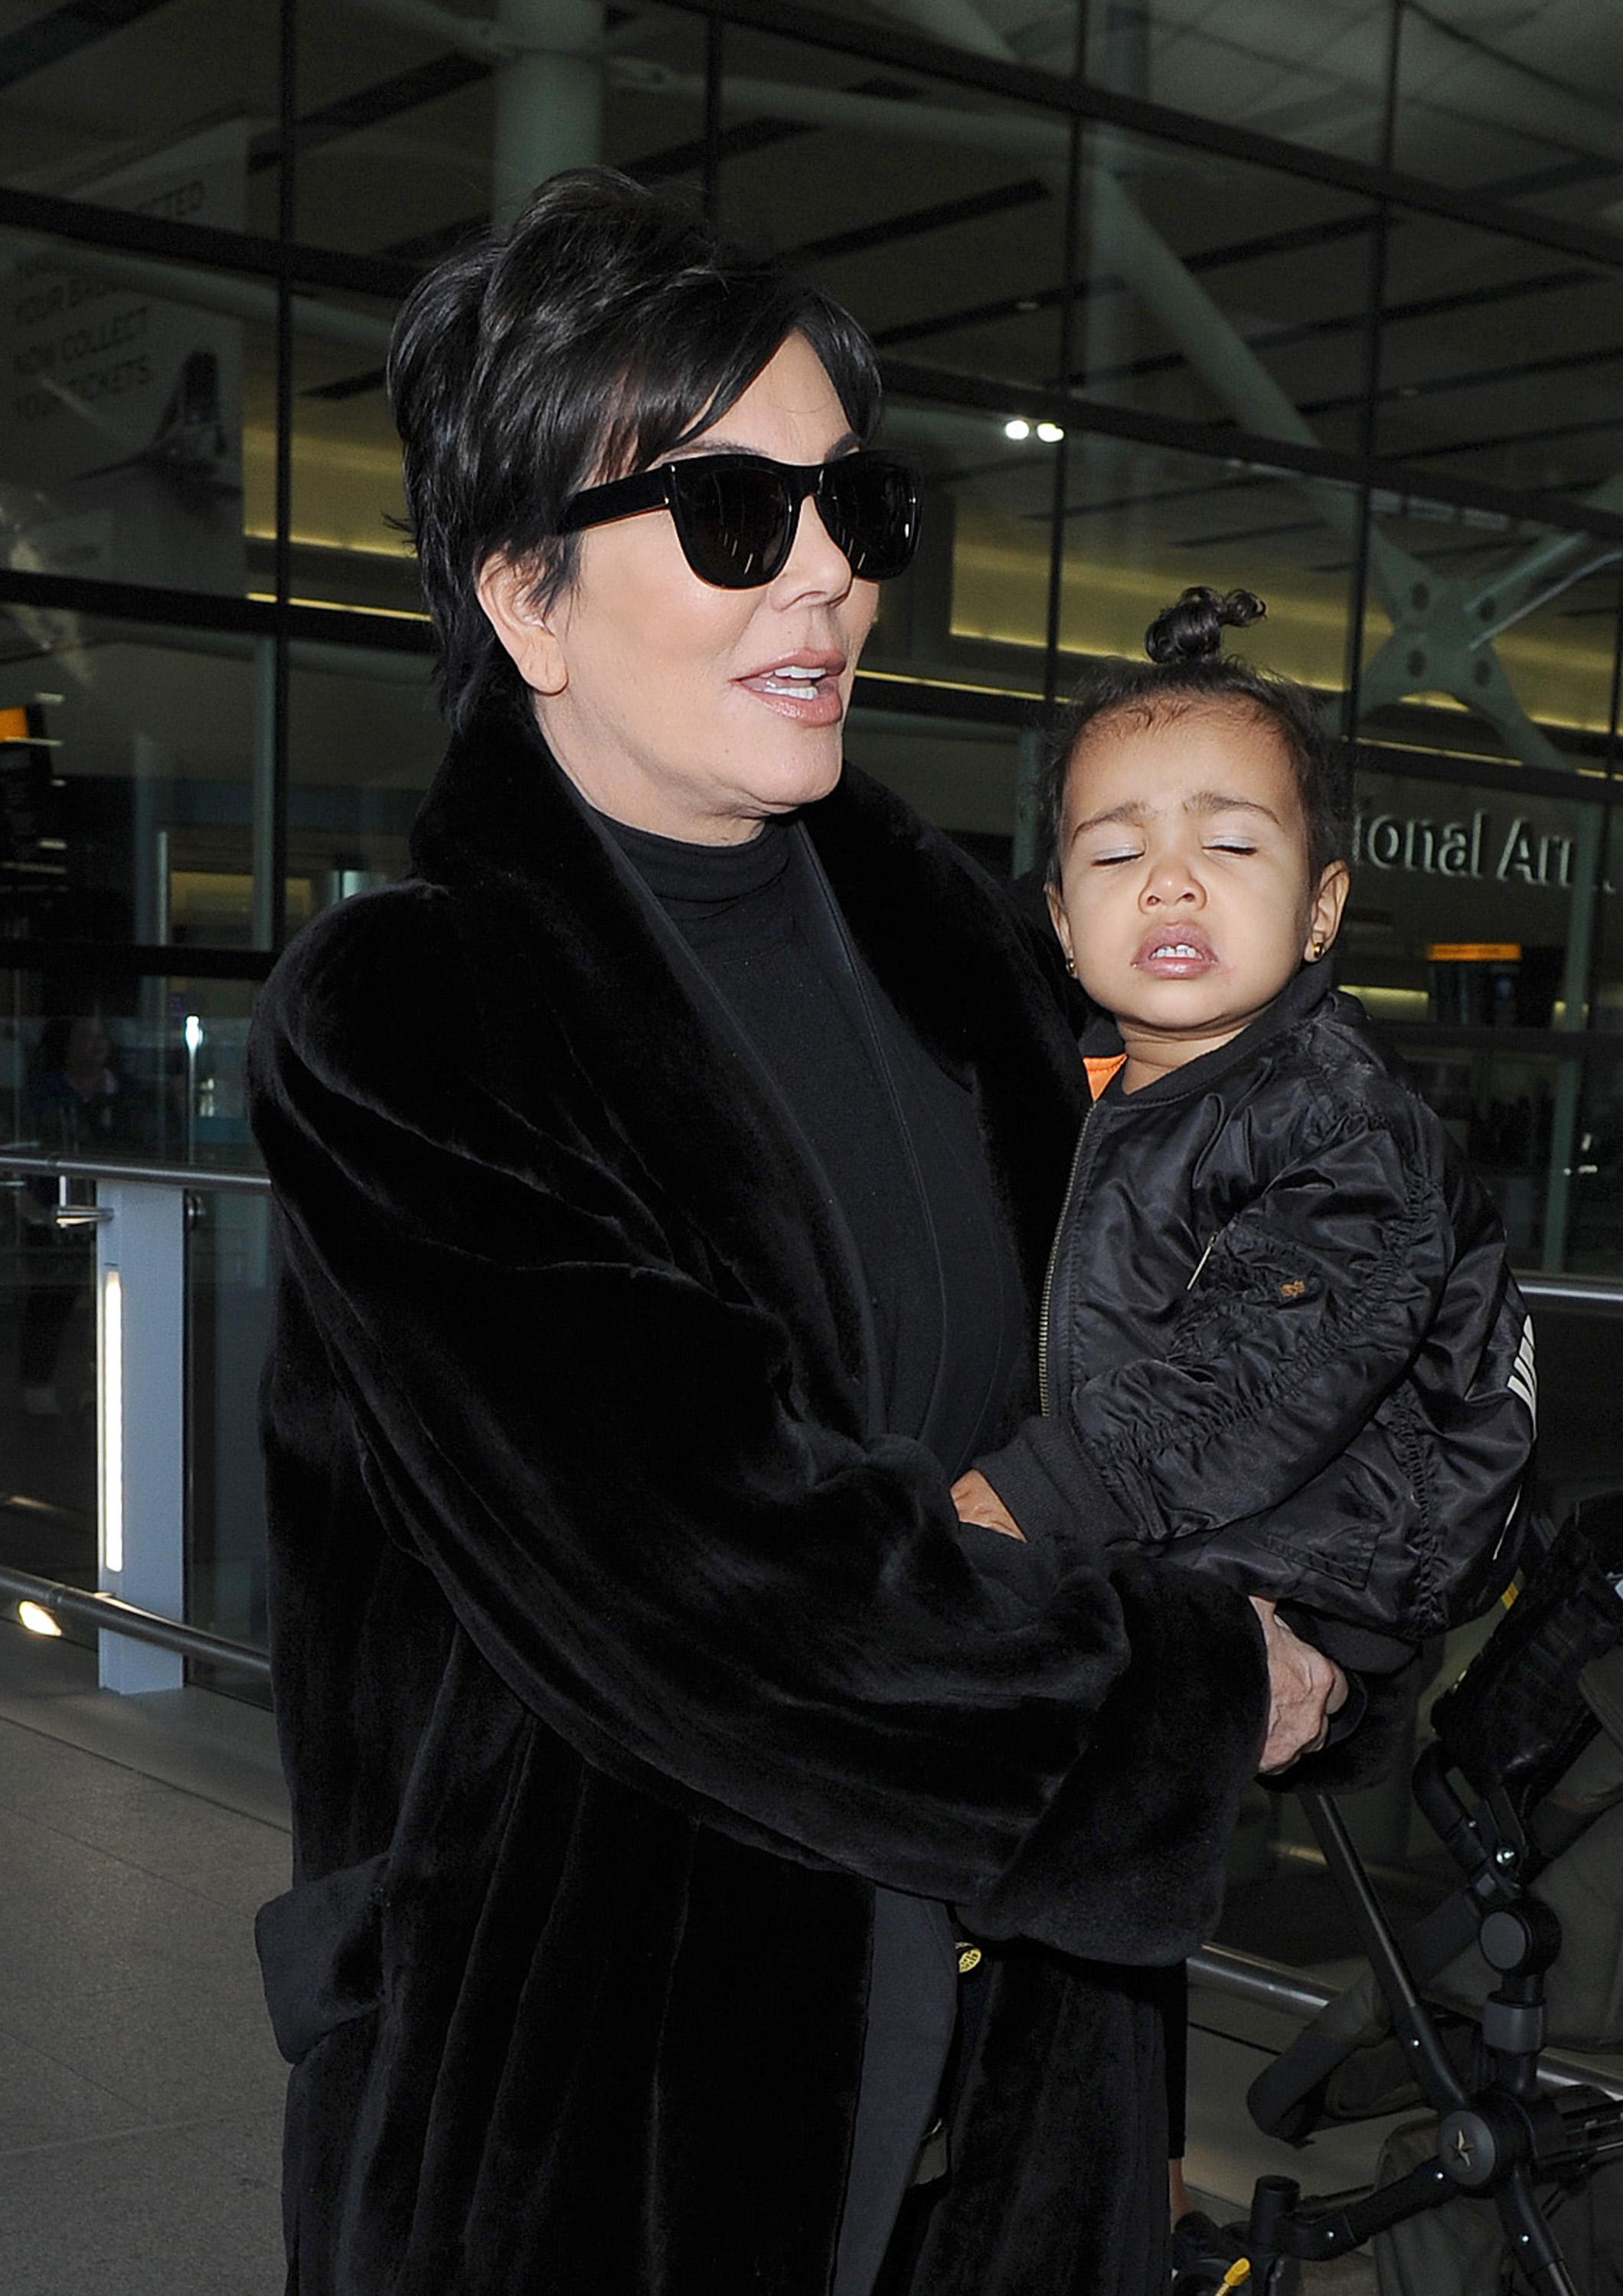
(320, 1954)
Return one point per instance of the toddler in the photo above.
(1280, 1338)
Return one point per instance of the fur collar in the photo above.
(503, 828)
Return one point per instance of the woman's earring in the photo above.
(1316, 951)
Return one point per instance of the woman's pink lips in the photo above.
(825, 705)
(1166, 967)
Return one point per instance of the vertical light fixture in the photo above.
(192, 1035)
(109, 1418)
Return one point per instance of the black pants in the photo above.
(912, 2008)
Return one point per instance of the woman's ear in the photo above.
(528, 630)
(1324, 910)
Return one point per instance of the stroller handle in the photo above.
(1517, 1716)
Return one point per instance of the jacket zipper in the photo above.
(1044, 1311)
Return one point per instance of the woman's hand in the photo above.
(977, 1501)
(1304, 1689)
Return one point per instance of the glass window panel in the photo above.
(1499, 360)
(129, 386)
(365, 738)
(1223, 293)
(1487, 636)
(346, 549)
(963, 773)
(128, 778)
(972, 611)
(228, 1316)
(101, 1063)
(1595, 1200)
(1313, 76)
(1477, 873)
(409, 140)
(97, 1061)
(1142, 523)
(48, 1384)
(1514, 103)
(1607, 1008)
(149, 105)
(1468, 912)
(933, 213)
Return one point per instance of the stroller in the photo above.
(1528, 1758)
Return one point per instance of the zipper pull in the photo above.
(1200, 1263)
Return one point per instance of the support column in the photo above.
(1588, 868)
(1028, 828)
(262, 795)
(140, 1274)
(548, 99)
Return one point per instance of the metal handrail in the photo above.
(111, 1614)
(1569, 1290)
(1271, 1985)
(156, 1175)
(1537, 1288)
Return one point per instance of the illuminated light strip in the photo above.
(111, 1420)
(342, 606)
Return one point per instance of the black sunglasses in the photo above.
(736, 514)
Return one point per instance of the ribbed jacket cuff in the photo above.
(1050, 1487)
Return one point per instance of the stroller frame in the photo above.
(1509, 1728)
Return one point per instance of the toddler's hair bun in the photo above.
(1193, 629)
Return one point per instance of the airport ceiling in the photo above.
(937, 212)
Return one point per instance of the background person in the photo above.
(664, 1173)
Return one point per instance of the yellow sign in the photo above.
(1474, 952)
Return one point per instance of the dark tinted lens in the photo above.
(734, 520)
(870, 504)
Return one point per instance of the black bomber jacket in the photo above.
(1279, 1326)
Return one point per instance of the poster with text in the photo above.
(121, 449)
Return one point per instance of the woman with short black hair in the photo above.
(665, 1170)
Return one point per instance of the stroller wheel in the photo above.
(1209, 2258)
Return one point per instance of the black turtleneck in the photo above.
(897, 1147)
(895, 1139)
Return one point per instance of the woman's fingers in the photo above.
(1304, 1689)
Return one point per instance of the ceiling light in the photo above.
(1050, 433)
(37, 1618)
(1017, 428)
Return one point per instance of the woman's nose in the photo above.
(816, 566)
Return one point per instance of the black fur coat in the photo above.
(617, 1653)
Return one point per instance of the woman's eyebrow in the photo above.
(713, 443)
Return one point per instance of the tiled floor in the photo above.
(140, 2094)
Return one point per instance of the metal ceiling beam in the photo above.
(468, 36)
(216, 292)
(52, 39)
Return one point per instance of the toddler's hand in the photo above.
(977, 1501)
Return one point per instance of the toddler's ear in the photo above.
(1062, 924)
(1324, 910)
